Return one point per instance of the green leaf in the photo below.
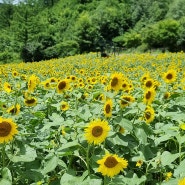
(162, 138)
(126, 124)
(50, 165)
(167, 158)
(179, 171)
(26, 154)
(7, 177)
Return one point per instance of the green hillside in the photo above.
(35, 30)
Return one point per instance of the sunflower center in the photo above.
(107, 108)
(148, 95)
(148, 84)
(5, 129)
(63, 106)
(47, 84)
(125, 100)
(124, 85)
(13, 110)
(169, 76)
(110, 162)
(30, 101)
(97, 131)
(114, 82)
(62, 85)
(147, 115)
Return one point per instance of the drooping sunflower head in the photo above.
(7, 130)
(63, 85)
(108, 108)
(64, 106)
(15, 109)
(139, 163)
(116, 81)
(30, 101)
(97, 131)
(126, 100)
(149, 114)
(170, 76)
(149, 96)
(111, 165)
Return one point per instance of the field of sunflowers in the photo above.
(85, 120)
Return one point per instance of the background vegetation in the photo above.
(34, 30)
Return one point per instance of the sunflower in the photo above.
(145, 77)
(139, 163)
(64, 106)
(116, 81)
(149, 96)
(126, 100)
(166, 95)
(97, 131)
(168, 175)
(15, 109)
(111, 165)
(149, 114)
(30, 101)
(7, 130)
(32, 83)
(46, 84)
(63, 85)
(7, 87)
(107, 109)
(170, 76)
(181, 181)
(15, 73)
(149, 83)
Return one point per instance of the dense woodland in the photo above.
(34, 30)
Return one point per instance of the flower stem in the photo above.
(3, 154)
(87, 159)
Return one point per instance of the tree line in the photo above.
(34, 30)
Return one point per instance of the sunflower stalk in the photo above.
(87, 159)
(3, 154)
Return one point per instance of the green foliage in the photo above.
(84, 22)
(162, 34)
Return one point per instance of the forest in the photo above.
(35, 30)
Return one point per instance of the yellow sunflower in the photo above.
(181, 182)
(64, 106)
(30, 101)
(170, 76)
(166, 95)
(149, 95)
(7, 87)
(15, 73)
(139, 163)
(15, 109)
(47, 84)
(107, 109)
(97, 131)
(7, 130)
(149, 115)
(126, 100)
(63, 85)
(116, 81)
(32, 83)
(149, 83)
(168, 175)
(111, 165)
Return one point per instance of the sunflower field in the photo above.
(89, 120)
